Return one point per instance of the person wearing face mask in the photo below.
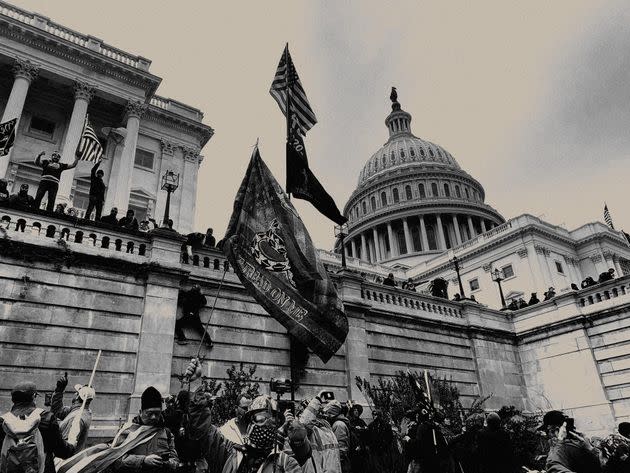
(235, 429)
(51, 173)
(67, 414)
(22, 198)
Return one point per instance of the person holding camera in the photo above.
(570, 452)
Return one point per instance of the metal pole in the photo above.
(501, 292)
(167, 208)
(342, 237)
(459, 279)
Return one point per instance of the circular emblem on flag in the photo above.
(269, 251)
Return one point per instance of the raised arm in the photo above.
(95, 167)
(39, 157)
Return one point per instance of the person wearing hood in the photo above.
(47, 442)
(570, 450)
(332, 412)
(152, 448)
(496, 454)
(68, 414)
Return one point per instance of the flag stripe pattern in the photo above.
(7, 136)
(607, 217)
(286, 81)
(89, 148)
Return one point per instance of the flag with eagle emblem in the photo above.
(273, 255)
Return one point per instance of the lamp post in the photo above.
(341, 231)
(170, 182)
(455, 262)
(497, 276)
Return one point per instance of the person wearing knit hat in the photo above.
(48, 441)
(150, 445)
(67, 414)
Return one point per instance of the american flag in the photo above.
(607, 217)
(89, 148)
(286, 81)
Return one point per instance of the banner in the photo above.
(7, 136)
(275, 259)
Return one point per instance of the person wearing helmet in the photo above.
(51, 173)
(68, 414)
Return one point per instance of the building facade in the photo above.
(69, 288)
(52, 78)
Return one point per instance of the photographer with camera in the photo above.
(570, 452)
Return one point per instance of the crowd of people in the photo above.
(316, 435)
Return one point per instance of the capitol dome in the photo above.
(413, 200)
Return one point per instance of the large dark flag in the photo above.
(302, 183)
(275, 259)
(7, 136)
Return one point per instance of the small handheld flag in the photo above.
(607, 217)
(7, 136)
(89, 148)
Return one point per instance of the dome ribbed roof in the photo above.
(403, 148)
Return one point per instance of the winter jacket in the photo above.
(572, 456)
(342, 433)
(54, 444)
(66, 415)
(324, 445)
(495, 451)
(160, 444)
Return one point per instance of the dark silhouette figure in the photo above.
(4, 193)
(457, 297)
(607, 276)
(209, 241)
(513, 305)
(574, 287)
(22, 199)
(112, 218)
(550, 294)
(390, 281)
(438, 288)
(192, 301)
(97, 192)
(495, 448)
(129, 221)
(521, 303)
(588, 282)
(51, 173)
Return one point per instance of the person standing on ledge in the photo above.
(51, 173)
(97, 192)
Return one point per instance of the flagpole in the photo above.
(288, 109)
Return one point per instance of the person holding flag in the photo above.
(7, 136)
(67, 414)
(97, 192)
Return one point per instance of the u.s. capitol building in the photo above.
(70, 287)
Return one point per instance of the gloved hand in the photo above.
(62, 383)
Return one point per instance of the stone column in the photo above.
(377, 251)
(423, 234)
(458, 234)
(471, 228)
(408, 239)
(83, 93)
(24, 73)
(112, 182)
(135, 111)
(353, 246)
(483, 226)
(393, 244)
(364, 250)
(188, 189)
(440, 229)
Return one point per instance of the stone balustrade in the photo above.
(379, 294)
(211, 259)
(79, 235)
(604, 291)
(74, 37)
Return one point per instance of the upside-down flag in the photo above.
(273, 255)
(7, 136)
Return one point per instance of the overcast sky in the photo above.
(532, 98)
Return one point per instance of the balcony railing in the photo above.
(74, 37)
(78, 235)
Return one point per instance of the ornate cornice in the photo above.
(25, 69)
(83, 90)
(190, 154)
(542, 250)
(522, 253)
(487, 267)
(197, 129)
(35, 38)
(135, 109)
(596, 258)
(168, 147)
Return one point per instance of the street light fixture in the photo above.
(497, 276)
(170, 182)
(455, 262)
(341, 231)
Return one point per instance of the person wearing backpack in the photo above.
(30, 436)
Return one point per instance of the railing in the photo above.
(360, 265)
(409, 300)
(160, 102)
(604, 291)
(67, 34)
(38, 228)
(211, 259)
